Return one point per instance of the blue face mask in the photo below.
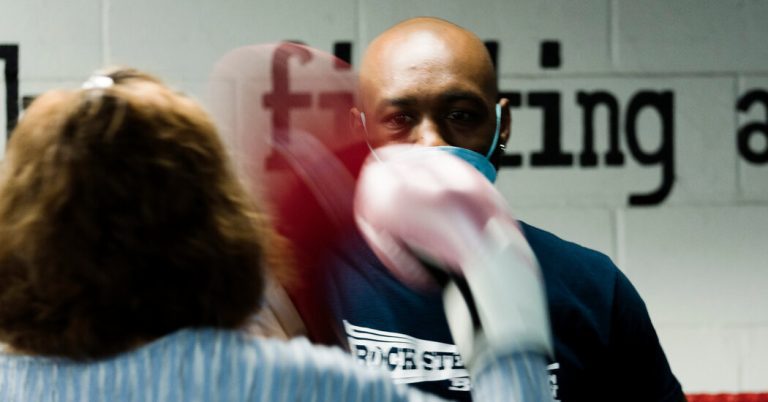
(481, 163)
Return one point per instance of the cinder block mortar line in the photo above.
(613, 33)
(740, 190)
(631, 74)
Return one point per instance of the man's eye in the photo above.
(398, 121)
(460, 116)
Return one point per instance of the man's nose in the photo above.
(427, 133)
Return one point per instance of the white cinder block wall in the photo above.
(698, 255)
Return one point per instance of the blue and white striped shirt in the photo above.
(221, 365)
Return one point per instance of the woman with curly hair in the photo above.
(131, 257)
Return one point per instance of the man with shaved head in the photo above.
(429, 82)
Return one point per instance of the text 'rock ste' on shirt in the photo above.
(202, 365)
(606, 348)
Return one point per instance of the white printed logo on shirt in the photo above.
(409, 359)
(417, 360)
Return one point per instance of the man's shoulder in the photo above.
(580, 282)
(556, 253)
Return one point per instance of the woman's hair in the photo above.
(121, 221)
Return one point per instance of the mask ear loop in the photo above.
(367, 139)
(495, 134)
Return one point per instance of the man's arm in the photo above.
(513, 378)
(335, 376)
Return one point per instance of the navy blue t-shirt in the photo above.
(606, 348)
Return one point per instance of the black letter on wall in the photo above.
(493, 51)
(746, 132)
(281, 100)
(589, 102)
(343, 52)
(550, 154)
(663, 103)
(10, 54)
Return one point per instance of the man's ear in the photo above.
(506, 121)
(355, 119)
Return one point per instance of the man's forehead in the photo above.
(404, 64)
(414, 50)
(434, 95)
(411, 87)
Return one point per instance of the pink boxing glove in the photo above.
(416, 204)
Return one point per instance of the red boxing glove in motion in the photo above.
(417, 203)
